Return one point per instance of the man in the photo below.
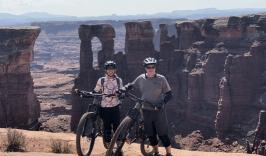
(154, 89)
(109, 110)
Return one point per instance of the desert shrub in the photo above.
(59, 146)
(15, 141)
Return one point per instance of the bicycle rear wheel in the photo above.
(119, 137)
(86, 134)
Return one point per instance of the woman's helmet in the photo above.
(109, 64)
(149, 61)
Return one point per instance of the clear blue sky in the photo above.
(120, 7)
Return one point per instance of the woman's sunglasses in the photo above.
(150, 67)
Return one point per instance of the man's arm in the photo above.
(133, 84)
(167, 96)
(166, 91)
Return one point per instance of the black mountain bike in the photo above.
(90, 125)
(133, 122)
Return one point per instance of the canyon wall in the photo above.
(216, 67)
(19, 106)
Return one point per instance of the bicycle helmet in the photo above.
(109, 64)
(149, 61)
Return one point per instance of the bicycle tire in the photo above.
(80, 133)
(145, 147)
(123, 127)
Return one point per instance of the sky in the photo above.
(119, 7)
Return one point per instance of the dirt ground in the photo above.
(39, 143)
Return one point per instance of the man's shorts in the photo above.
(155, 122)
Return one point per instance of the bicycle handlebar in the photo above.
(86, 94)
(135, 98)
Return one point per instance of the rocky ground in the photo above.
(39, 143)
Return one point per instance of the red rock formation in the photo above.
(138, 45)
(192, 56)
(188, 33)
(206, 67)
(203, 88)
(88, 75)
(235, 32)
(195, 92)
(262, 23)
(242, 84)
(18, 104)
(223, 120)
(213, 71)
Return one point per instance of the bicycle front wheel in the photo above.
(119, 137)
(145, 147)
(86, 134)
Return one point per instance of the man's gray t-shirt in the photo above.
(152, 89)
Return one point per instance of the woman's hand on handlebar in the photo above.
(92, 94)
(128, 87)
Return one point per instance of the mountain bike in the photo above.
(133, 122)
(90, 125)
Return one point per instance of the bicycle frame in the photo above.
(93, 107)
(134, 114)
(131, 124)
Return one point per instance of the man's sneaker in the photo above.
(168, 154)
(156, 154)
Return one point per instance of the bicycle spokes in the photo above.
(85, 143)
(86, 134)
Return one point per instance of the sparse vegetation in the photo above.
(60, 146)
(15, 141)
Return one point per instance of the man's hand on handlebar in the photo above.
(124, 89)
(128, 87)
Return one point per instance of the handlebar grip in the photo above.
(77, 91)
(128, 86)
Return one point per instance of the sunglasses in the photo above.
(150, 67)
(110, 69)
